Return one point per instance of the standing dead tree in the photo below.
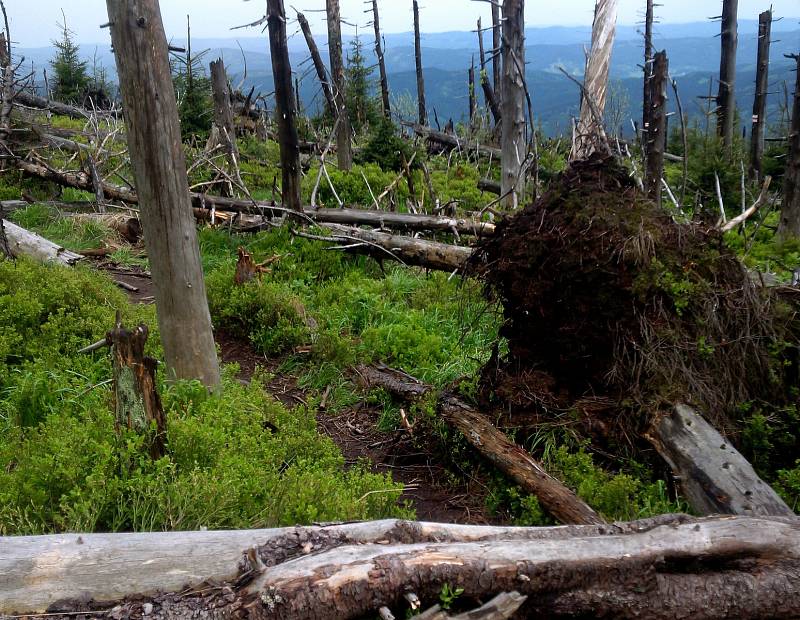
(284, 106)
(319, 66)
(224, 132)
(156, 152)
(760, 101)
(726, 96)
(790, 213)
(344, 147)
(376, 23)
(656, 136)
(423, 110)
(497, 52)
(593, 102)
(489, 93)
(648, 66)
(513, 144)
(473, 101)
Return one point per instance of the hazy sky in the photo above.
(34, 22)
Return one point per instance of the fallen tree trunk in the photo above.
(714, 477)
(663, 568)
(488, 185)
(400, 221)
(407, 250)
(30, 100)
(23, 242)
(508, 457)
(451, 142)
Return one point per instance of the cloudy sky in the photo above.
(34, 22)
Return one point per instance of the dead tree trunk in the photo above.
(319, 66)
(760, 101)
(344, 148)
(656, 137)
(726, 96)
(423, 110)
(137, 404)
(497, 51)
(284, 106)
(473, 100)
(595, 83)
(489, 93)
(713, 476)
(223, 116)
(648, 69)
(513, 144)
(493, 444)
(790, 212)
(156, 151)
(376, 23)
(22, 242)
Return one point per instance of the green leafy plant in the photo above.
(449, 595)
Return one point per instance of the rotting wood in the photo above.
(451, 142)
(223, 112)
(22, 242)
(759, 120)
(137, 405)
(248, 270)
(706, 569)
(656, 136)
(319, 66)
(284, 106)
(477, 429)
(501, 607)
(159, 165)
(714, 477)
(30, 100)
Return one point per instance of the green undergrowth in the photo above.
(235, 459)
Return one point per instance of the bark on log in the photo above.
(452, 142)
(790, 211)
(223, 112)
(713, 476)
(508, 457)
(409, 251)
(137, 404)
(344, 147)
(706, 569)
(23, 242)
(319, 66)
(284, 106)
(648, 69)
(423, 109)
(760, 101)
(384, 80)
(159, 166)
(656, 136)
(513, 145)
(726, 97)
(30, 100)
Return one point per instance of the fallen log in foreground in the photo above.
(508, 457)
(22, 242)
(714, 477)
(668, 567)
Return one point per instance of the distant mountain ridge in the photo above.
(693, 51)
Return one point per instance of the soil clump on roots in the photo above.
(614, 310)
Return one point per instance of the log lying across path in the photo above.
(667, 567)
(516, 463)
(23, 242)
(714, 477)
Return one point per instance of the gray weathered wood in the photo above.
(223, 112)
(656, 136)
(789, 225)
(344, 146)
(421, 105)
(319, 66)
(726, 97)
(714, 477)
(159, 166)
(514, 148)
(376, 24)
(759, 120)
(23, 242)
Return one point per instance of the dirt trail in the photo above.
(429, 484)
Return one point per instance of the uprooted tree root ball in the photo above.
(613, 309)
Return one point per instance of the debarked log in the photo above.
(714, 477)
(22, 242)
(559, 501)
(451, 142)
(670, 567)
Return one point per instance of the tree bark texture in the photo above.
(284, 106)
(595, 82)
(670, 568)
(451, 142)
(423, 109)
(513, 144)
(473, 101)
(790, 212)
(344, 147)
(726, 96)
(40, 103)
(376, 23)
(137, 404)
(713, 476)
(656, 136)
(648, 67)
(319, 66)
(497, 50)
(516, 463)
(760, 101)
(156, 151)
(223, 112)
